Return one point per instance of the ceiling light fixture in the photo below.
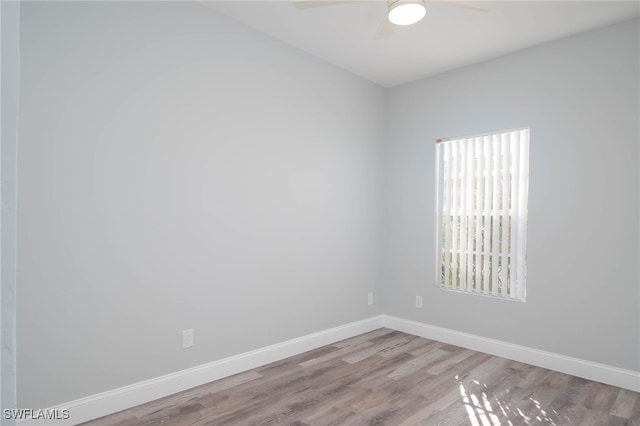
(406, 12)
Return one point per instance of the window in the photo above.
(482, 192)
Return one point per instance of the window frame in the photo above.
(479, 234)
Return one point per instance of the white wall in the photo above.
(178, 170)
(580, 96)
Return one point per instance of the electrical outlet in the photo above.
(187, 338)
(370, 298)
(418, 301)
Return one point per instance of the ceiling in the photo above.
(353, 35)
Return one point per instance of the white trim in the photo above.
(102, 404)
(619, 377)
(479, 135)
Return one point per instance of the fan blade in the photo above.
(312, 4)
(385, 29)
(479, 6)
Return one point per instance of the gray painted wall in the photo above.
(178, 170)
(10, 25)
(580, 96)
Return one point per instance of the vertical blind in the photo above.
(482, 195)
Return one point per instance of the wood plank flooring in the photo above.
(386, 377)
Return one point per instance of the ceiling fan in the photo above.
(399, 12)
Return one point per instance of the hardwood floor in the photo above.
(387, 377)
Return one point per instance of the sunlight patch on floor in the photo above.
(483, 408)
(478, 415)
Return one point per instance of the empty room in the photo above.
(320, 213)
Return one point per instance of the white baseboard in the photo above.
(102, 404)
(619, 377)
